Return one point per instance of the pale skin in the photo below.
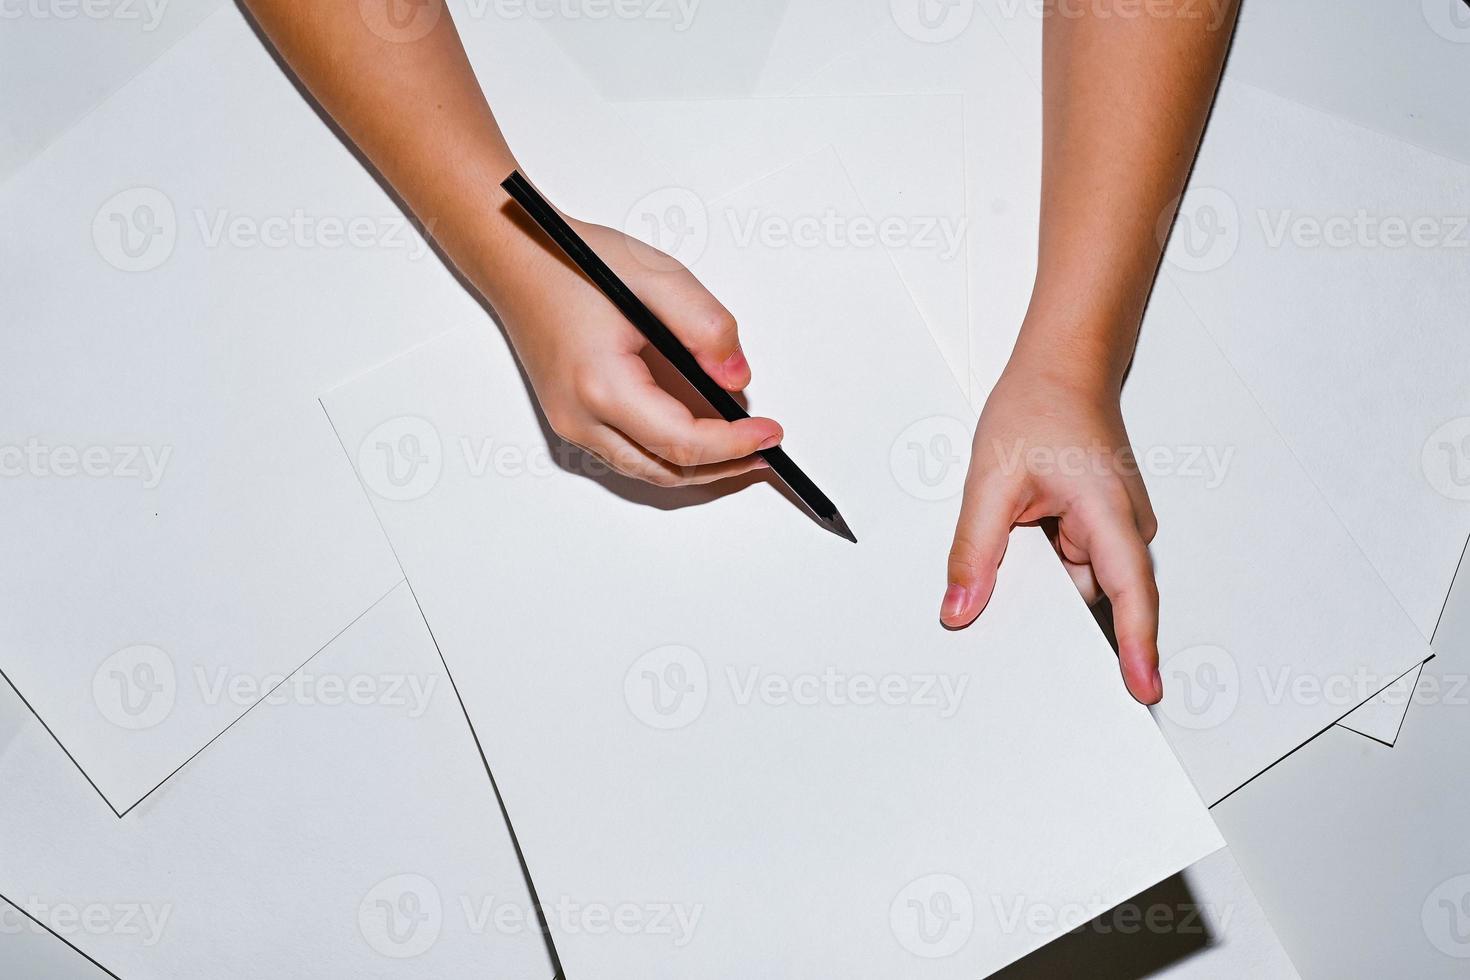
(1125, 102)
(416, 111)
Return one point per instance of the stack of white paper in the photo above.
(177, 292)
(727, 740)
(345, 827)
(1358, 850)
(1329, 264)
(792, 748)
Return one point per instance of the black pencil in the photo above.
(664, 341)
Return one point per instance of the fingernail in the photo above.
(1158, 686)
(954, 602)
(735, 365)
(771, 442)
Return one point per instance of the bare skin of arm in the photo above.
(1127, 88)
(414, 108)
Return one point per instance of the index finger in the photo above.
(989, 511)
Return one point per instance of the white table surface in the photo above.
(1372, 64)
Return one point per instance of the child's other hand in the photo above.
(584, 360)
(1051, 448)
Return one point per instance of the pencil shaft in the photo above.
(627, 302)
(662, 338)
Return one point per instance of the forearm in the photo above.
(414, 108)
(1127, 88)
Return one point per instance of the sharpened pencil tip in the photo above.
(839, 527)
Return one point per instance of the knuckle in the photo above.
(1145, 593)
(963, 561)
(684, 454)
(715, 325)
(594, 390)
(658, 263)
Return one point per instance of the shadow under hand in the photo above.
(1156, 928)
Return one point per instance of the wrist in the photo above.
(1075, 359)
(1078, 342)
(1082, 324)
(473, 220)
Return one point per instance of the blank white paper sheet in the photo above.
(705, 705)
(1264, 647)
(905, 156)
(180, 284)
(346, 828)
